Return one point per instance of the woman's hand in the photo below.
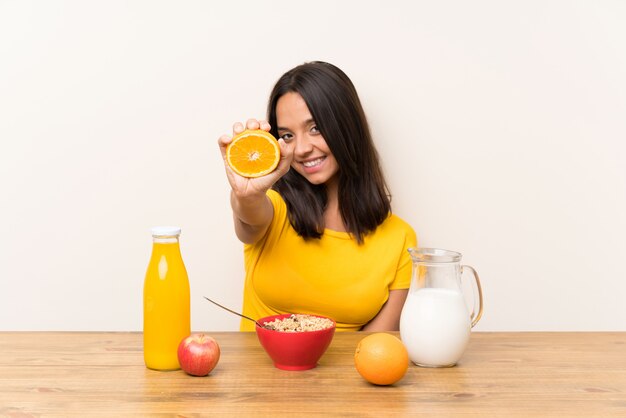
(252, 209)
(242, 186)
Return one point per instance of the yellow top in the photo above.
(332, 276)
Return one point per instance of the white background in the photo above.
(501, 126)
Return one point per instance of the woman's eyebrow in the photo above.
(306, 122)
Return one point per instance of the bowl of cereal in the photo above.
(295, 341)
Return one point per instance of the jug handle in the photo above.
(475, 316)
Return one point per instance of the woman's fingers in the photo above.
(238, 128)
(223, 142)
(252, 124)
(286, 156)
(265, 125)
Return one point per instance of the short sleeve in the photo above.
(405, 265)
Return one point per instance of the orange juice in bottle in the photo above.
(166, 307)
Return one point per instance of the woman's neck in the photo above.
(332, 214)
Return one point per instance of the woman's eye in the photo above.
(286, 137)
(315, 130)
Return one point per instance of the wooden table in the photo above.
(501, 375)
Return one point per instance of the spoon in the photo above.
(237, 313)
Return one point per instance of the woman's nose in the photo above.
(304, 146)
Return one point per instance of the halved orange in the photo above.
(253, 153)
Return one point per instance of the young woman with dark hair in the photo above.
(319, 236)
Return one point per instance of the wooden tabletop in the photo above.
(500, 375)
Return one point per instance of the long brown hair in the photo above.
(364, 202)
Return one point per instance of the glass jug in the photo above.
(435, 323)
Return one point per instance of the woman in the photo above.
(318, 233)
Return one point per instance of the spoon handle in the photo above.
(231, 311)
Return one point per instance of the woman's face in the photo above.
(312, 157)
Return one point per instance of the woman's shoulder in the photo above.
(396, 225)
(280, 207)
(273, 194)
(275, 197)
(397, 222)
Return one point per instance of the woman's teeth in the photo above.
(313, 163)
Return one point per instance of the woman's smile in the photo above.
(313, 165)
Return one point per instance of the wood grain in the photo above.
(500, 375)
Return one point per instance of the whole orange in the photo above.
(381, 359)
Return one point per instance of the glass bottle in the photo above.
(166, 306)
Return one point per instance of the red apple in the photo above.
(198, 354)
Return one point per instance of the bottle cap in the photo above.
(166, 231)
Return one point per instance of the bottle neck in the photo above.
(165, 240)
(165, 247)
